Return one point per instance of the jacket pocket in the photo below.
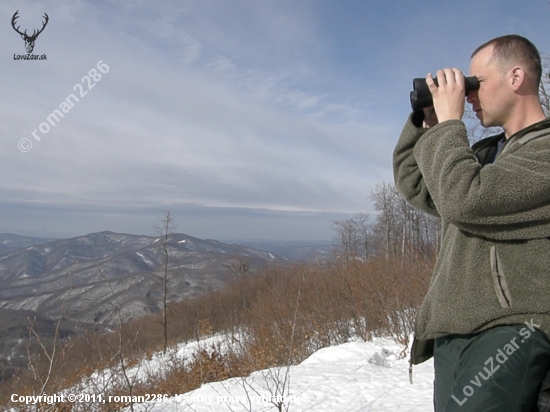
(499, 280)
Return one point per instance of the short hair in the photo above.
(512, 49)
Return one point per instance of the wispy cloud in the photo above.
(285, 107)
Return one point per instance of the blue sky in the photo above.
(246, 119)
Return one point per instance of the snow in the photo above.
(147, 261)
(103, 380)
(352, 377)
(182, 353)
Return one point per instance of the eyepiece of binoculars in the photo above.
(421, 96)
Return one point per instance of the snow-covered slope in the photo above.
(352, 377)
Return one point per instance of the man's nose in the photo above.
(472, 95)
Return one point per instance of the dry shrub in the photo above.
(278, 316)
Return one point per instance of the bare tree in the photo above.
(45, 378)
(276, 380)
(128, 381)
(386, 202)
(239, 266)
(345, 238)
(397, 230)
(352, 238)
(544, 87)
(53, 355)
(164, 230)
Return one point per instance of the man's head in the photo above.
(509, 71)
(512, 50)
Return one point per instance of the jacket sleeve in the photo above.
(407, 176)
(506, 200)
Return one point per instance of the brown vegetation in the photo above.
(275, 317)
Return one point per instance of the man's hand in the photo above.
(449, 97)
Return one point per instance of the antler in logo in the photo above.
(29, 40)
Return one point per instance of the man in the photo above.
(486, 316)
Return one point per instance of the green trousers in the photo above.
(500, 370)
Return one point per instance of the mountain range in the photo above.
(103, 278)
(90, 278)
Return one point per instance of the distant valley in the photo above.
(88, 278)
(96, 278)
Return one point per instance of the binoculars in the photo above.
(421, 96)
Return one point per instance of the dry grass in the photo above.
(284, 313)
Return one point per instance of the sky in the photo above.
(246, 119)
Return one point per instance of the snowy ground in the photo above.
(352, 377)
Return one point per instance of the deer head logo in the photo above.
(29, 40)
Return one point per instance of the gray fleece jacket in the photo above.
(493, 267)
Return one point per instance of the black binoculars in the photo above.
(421, 96)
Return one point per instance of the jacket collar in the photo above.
(535, 127)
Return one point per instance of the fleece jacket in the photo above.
(493, 267)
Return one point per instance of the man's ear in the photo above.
(517, 77)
